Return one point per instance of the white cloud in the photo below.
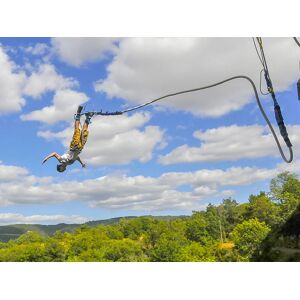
(11, 85)
(115, 140)
(8, 173)
(12, 218)
(217, 177)
(65, 103)
(38, 49)
(46, 79)
(138, 192)
(77, 51)
(146, 68)
(231, 143)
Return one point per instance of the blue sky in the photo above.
(170, 158)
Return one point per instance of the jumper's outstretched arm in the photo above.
(82, 164)
(53, 154)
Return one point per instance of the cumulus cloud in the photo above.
(12, 81)
(46, 79)
(38, 49)
(12, 218)
(146, 68)
(138, 192)
(77, 51)
(8, 173)
(230, 143)
(115, 140)
(65, 103)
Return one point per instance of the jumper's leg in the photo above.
(77, 117)
(85, 132)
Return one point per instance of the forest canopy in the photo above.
(258, 230)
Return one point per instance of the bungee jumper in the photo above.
(77, 144)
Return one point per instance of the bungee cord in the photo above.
(296, 40)
(278, 115)
(288, 160)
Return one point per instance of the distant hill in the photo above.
(8, 232)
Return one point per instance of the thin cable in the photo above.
(257, 52)
(260, 88)
(263, 61)
(259, 40)
(297, 42)
(263, 70)
(266, 69)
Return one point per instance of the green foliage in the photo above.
(30, 237)
(248, 236)
(196, 228)
(168, 246)
(225, 232)
(23, 253)
(113, 250)
(230, 214)
(194, 252)
(284, 182)
(262, 208)
(170, 242)
(285, 190)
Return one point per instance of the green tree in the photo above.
(125, 250)
(57, 247)
(213, 222)
(167, 247)
(170, 242)
(264, 209)
(196, 228)
(248, 237)
(282, 183)
(194, 252)
(285, 190)
(229, 213)
(29, 252)
(30, 237)
(86, 238)
(156, 229)
(222, 219)
(113, 232)
(134, 228)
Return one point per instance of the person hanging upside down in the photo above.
(78, 141)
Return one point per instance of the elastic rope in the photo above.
(216, 84)
(297, 42)
(265, 66)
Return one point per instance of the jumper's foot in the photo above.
(88, 117)
(78, 113)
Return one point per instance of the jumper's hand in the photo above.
(82, 164)
(44, 160)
